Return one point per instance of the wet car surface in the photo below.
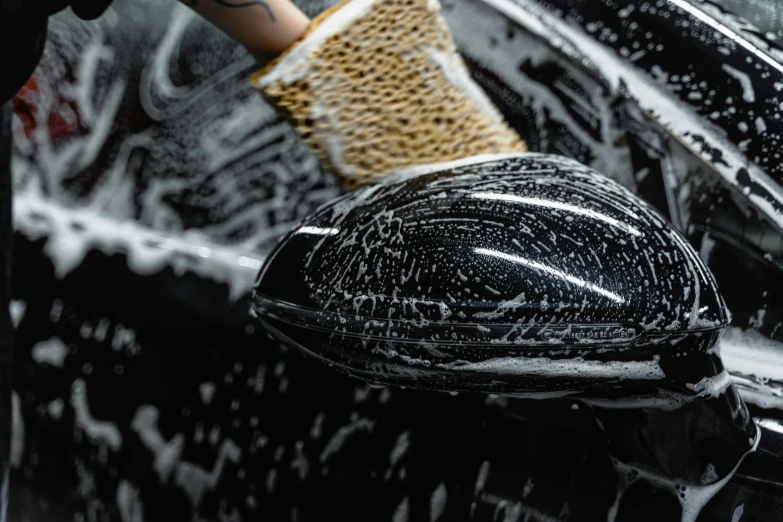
(145, 389)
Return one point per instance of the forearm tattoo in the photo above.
(227, 3)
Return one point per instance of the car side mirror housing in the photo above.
(526, 275)
(514, 274)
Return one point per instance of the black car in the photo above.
(153, 183)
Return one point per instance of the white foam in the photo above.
(677, 117)
(207, 391)
(661, 400)
(748, 94)
(72, 233)
(692, 498)
(195, 481)
(748, 352)
(477, 28)
(56, 408)
(17, 310)
(402, 512)
(156, 71)
(504, 306)
(104, 432)
(457, 74)
(567, 368)
(5, 479)
(129, 504)
(338, 440)
(429, 168)
(400, 448)
(736, 515)
(438, 502)
(300, 463)
(167, 454)
(481, 478)
(214, 149)
(762, 399)
(54, 351)
(543, 395)
(737, 29)
(17, 432)
(712, 386)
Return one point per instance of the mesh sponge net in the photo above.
(377, 85)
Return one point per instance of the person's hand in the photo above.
(265, 28)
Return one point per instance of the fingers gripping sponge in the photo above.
(377, 85)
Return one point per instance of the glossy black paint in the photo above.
(706, 57)
(468, 257)
(712, 63)
(503, 267)
(729, 74)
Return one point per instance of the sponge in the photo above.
(374, 86)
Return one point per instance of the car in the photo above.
(153, 183)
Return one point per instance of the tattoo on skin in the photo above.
(226, 3)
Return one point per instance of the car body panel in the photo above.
(158, 183)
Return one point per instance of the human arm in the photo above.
(265, 28)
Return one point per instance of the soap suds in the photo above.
(17, 310)
(676, 116)
(692, 497)
(71, 233)
(456, 74)
(438, 502)
(54, 351)
(736, 516)
(748, 352)
(569, 368)
(17, 432)
(104, 432)
(748, 94)
(712, 386)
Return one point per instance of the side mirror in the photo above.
(518, 274)
(524, 275)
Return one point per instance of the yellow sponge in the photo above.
(377, 85)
